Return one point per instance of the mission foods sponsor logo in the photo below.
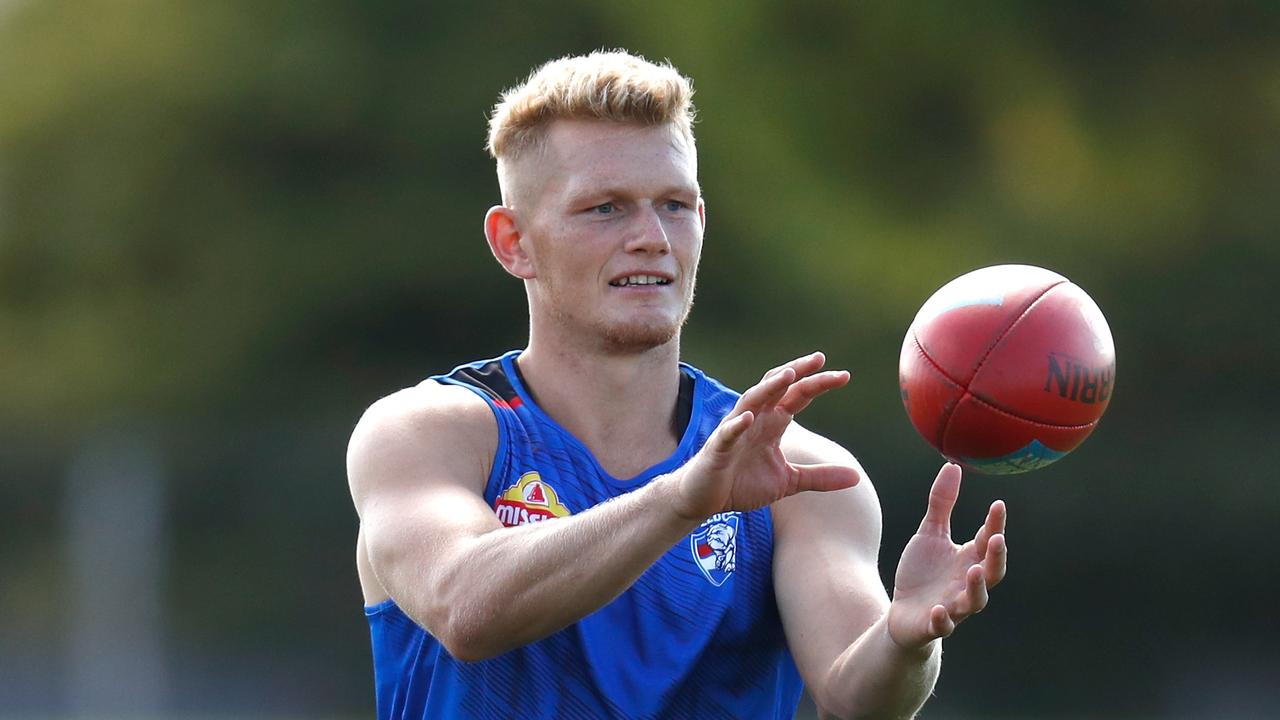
(529, 500)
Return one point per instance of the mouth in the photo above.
(640, 279)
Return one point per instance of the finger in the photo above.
(803, 366)
(773, 419)
(942, 499)
(777, 389)
(940, 623)
(803, 392)
(996, 560)
(730, 430)
(993, 525)
(825, 477)
(976, 589)
(765, 394)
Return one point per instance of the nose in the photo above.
(648, 234)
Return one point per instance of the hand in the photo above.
(742, 467)
(939, 583)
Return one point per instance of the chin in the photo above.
(638, 338)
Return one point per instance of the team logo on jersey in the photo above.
(715, 547)
(530, 499)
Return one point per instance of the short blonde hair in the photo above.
(604, 85)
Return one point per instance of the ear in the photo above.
(502, 230)
(702, 213)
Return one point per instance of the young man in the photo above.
(588, 528)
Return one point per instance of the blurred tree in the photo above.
(242, 222)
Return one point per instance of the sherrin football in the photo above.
(1007, 368)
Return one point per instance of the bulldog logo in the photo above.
(715, 547)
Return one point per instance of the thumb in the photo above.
(825, 477)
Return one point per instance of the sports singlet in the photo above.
(697, 636)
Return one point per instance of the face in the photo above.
(612, 221)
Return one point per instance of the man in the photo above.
(589, 528)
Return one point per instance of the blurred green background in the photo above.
(227, 227)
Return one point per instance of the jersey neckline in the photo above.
(673, 461)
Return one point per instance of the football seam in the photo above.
(945, 415)
(1015, 416)
(1000, 338)
(945, 420)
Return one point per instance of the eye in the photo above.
(605, 209)
(675, 206)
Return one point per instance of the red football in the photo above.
(1007, 368)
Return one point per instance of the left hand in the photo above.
(742, 466)
(939, 583)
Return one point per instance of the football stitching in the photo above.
(1016, 416)
(994, 345)
(944, 421)
(945, 415)
(1000, 338)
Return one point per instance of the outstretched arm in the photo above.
(417, 466)
(860, 654)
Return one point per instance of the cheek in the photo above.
(694, 253)
(570, 264)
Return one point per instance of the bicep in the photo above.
(410, 536)
(417, 467)
(826, 576)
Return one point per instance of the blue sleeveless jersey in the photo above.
(697, 636)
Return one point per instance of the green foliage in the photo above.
(240, 217)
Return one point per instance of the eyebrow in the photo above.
(613, 190)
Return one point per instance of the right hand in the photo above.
(742, 466)
(939, 583)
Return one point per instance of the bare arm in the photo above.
(860, 654)
(417, 466)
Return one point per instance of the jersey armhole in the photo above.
(500, 454)
(379, 608)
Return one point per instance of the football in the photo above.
(1007, 368)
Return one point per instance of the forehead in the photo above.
(585, 155)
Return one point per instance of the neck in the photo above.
(622, 406)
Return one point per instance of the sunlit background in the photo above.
(227, 227)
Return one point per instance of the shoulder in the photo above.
(424, 412)
(417, 430)
(850, 517)
(427, 403)
(802, 445)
